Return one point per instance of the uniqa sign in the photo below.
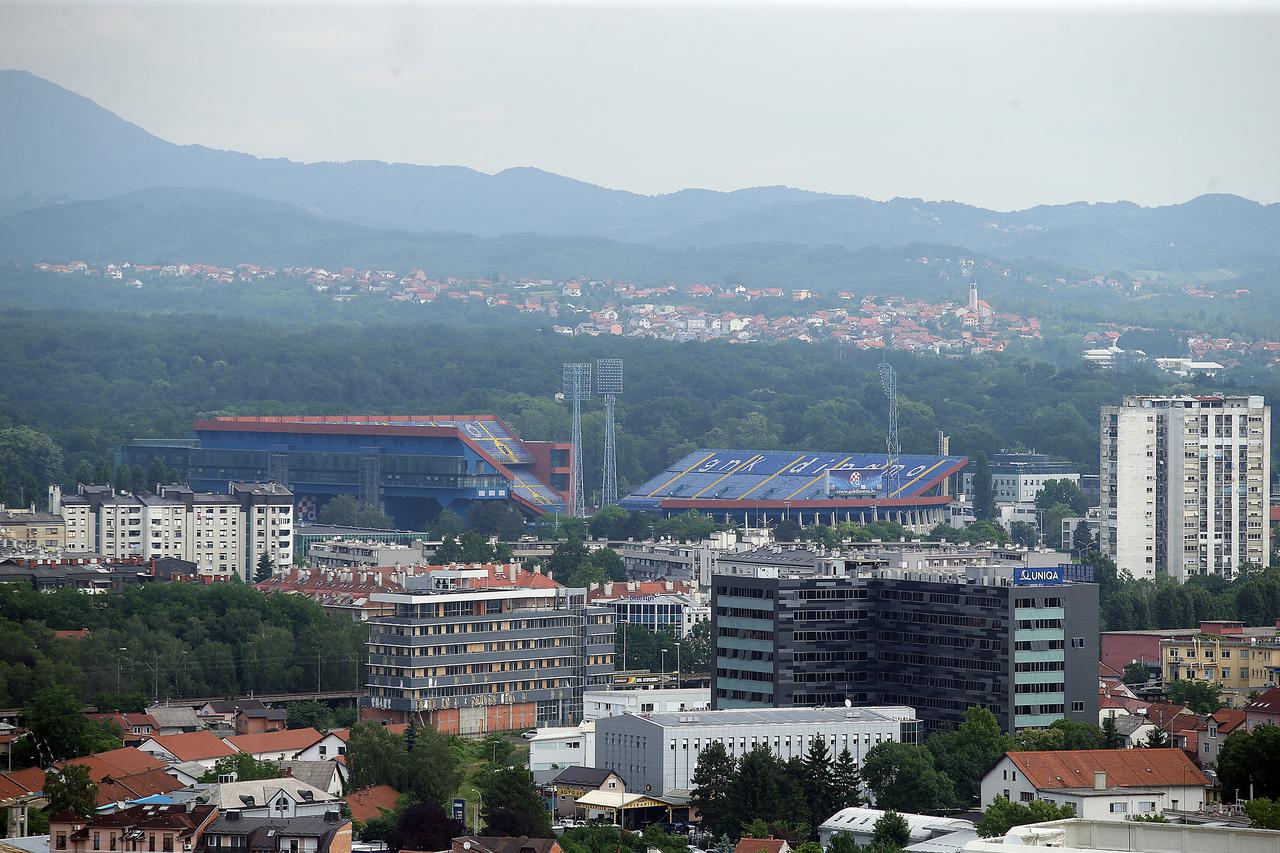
(1042, 576)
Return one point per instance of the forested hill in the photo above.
(89, 382)
(59, 146)
(169, 225)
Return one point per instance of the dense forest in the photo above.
(87, 382)
(172, 640)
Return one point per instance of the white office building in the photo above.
(657, 753)
(1184, 484)
(556, 748)
(674, 700)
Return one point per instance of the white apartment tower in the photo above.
(1184, 484)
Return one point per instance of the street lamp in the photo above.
(677, 664)
(664, 666)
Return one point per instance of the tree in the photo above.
(1023, 533)
(757, 828)
(1081, 538)
(1051, 521)
(903, 778)
(1264, 813)
(450, 551)
(1063, 492)
(610, 563)
(568, 557)
(985, 531)
(512, 805)
(1078, 735)
(424, 826)
(819, 800)
(755, 792)
(966, 752)
(266, 568)
(1111, 737)
(375, 756)
(711, 785)
(1202, 697)
(244, 767)
(71, 789)
(984, 502)
(497, 518)
(842, 842)
(448, 525)
(696, 648)
(845, 792)
(1002, 815)
(58, 724)
(1156, 739)
(1249, 763)
(308, 714)
(160, 474)
(1135, 674)
(347, 511)
(890, 831)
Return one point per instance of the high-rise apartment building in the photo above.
(467, 652)
(1184, 484)
(223, 534)
(940, 640)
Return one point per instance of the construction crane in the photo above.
(889, 381)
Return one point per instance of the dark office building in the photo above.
(939, 642)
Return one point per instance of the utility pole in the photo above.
(317, 672)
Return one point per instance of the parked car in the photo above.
(529, 734)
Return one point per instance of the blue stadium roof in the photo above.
(749, 476)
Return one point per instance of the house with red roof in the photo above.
(276, 746)
(202, 747)
(1265, 709)
(369, 803)
(1100, 784)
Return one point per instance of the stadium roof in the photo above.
(725, 478)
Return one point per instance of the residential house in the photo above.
(1265, 709)
(1215, 729)
(174, 720)
(234, 833)
(328, 776)
(327, 747)
(762, 845)
(486, 844)
(574, 782)
(135, 728)
(256, 721)
(149, 828)
(277, 746)
(274, 798)
(1100, 784)
(203, 747)
(225, 710)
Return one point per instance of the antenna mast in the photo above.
(889, 381)
(577, 387)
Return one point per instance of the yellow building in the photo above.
(1238, 664)
(25, 529)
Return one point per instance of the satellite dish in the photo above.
(848, 704)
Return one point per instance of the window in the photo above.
(1148, 806)
(1026, 796)
(1119, 808)
(1077, 642)
(61, 842)
(1077, 706)
(97, 841)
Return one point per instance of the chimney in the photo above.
(668, 586)
(1100, 780)
(608, 589)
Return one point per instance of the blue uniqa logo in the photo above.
(1041, 576)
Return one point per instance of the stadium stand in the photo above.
(767, 484)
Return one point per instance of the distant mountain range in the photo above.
(57, 146)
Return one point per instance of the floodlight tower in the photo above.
(577, 387)
(889, 381)
(609, 384)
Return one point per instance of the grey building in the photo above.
(657, 753)
(467, 652)
(939, 641)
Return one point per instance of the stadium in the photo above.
(410, 466)
(753, 487)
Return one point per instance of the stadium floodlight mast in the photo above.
(577, 387)
(609, 384)
(889, 381)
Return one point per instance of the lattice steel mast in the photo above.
(577, 387)
(609, 384)
(889, 381)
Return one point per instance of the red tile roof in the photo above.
(135, 786)
(371, 802)
(1267, 703)
(761, 845)
(194, 746)
(19, 783)
(1125, 768)
(117, 762)
(289, 740)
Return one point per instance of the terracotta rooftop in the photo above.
(1125, 768)
(289, 740)
(194, 746)
(371, 802)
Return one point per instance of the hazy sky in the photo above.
(1156, 102)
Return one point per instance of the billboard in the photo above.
(459, 811)
(1040, 576)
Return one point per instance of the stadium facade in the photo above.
(754, 487)
(409, 466)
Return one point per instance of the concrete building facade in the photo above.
(1184, 484)
(657, 753)
(468, 654)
